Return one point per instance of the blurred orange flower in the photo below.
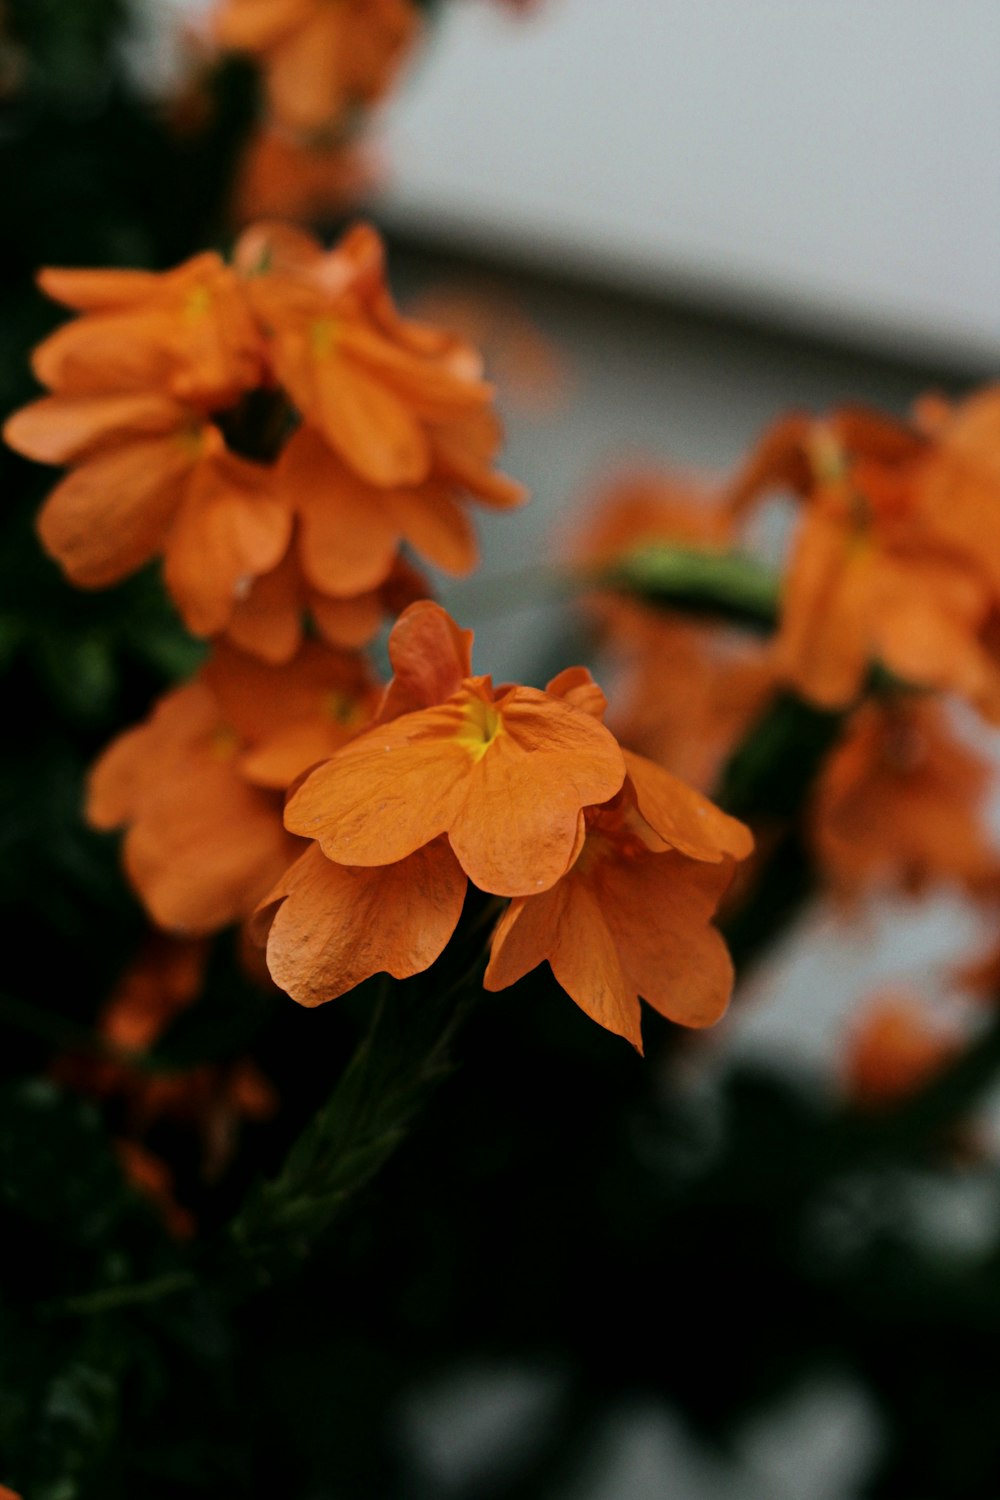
(199, 786)
(894, 1048)
(275, 430)
(321, 60)
(283, 176)
(682, 693)
(868, 580)
(900, 800)
(153, 1179)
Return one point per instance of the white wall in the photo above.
(833, 163)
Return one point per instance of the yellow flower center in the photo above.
(323, 336)
(481, 723)
(225, 743)
(343, 709)
(197, 304)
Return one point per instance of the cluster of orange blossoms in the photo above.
(613, 868)
(893, 560)
(273, 429)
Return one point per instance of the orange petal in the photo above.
(347, 534)
(267, 623)
(111, 515)
(576, 685)
(518, 828)
(658, 908)
(60, 429)
(336, 926)
(430, 658)
(685, 819)
(435, 525)
(823, 646)
(347, 623)
(565, 925)
(230, 530)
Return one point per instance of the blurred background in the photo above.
(670, 222)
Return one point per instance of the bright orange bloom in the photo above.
(382, 392)
(198, 786)
(321, 59)
(631, 917)
(900, 800)
(505, 773)
(276, 430)
(894, 1050)
(868, 581)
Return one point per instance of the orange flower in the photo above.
(505, 773)
(186, 333)
(270, 621)
(682, 693)
(900, 800)
(894, 1050)
(198, 786)
(282, 176)
(631, 917)
(168, 404)
(958, 483)
(867, 581)
(505, 787)
(375, 387)
(329, 926)
(321, 60)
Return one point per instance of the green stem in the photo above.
(724, 585)
(729, 585)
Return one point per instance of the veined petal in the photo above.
(336, 926)
(565, 925)
(518, 827)
(658, 909)
(682, 817)
(388, 793)
(111, 515)
(430, 656)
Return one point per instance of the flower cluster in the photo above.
(273, 429)
(892, 561)
(613, 867)
(199, 786)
